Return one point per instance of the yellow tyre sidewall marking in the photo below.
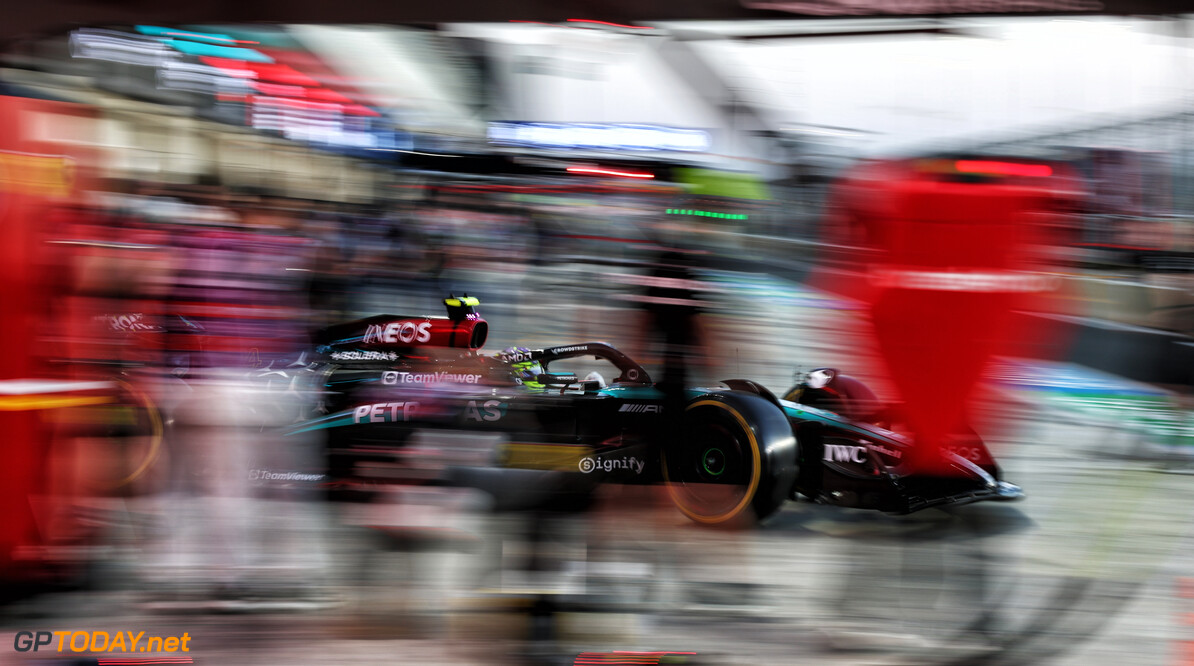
(155, 446)
(756, 472)
(47, 402)
(21, 403)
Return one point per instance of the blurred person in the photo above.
(400, 232)
(436, 253)
(104, 271)
(242, 269)
(671, 325)
(331, 283)
(243, 280)
(670, 317)
(541, 239)
(114, 268)
(672, 309)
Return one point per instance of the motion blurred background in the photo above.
(186, 194)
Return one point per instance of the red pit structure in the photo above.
(954, 252)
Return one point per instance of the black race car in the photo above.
(733, 453)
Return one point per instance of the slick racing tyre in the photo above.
(735, 461)
(117, 444)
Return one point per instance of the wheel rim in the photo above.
(714, 461)
(713, 474)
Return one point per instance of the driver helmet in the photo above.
(526, 371)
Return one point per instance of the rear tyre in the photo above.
(735, 462)
(118, 443)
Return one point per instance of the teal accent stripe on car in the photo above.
(330, 421)
(806, 413)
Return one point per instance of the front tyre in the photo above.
(735, 461)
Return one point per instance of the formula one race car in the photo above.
(732, 453)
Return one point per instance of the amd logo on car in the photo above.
(844, 453)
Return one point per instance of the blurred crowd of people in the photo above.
(186, 300)
(252, 272)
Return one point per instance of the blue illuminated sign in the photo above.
(575, 136)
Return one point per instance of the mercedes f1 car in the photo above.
(729, 453)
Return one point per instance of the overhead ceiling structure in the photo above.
(664, 65)
(411, 71)
(22, 20)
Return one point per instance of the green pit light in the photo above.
(707, 213)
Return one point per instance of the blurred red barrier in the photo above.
(955, 254)
(36, 173)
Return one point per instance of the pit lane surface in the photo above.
(1089, 570)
